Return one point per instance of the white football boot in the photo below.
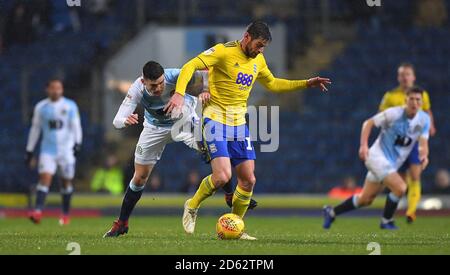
(247, 237)
(189, 218)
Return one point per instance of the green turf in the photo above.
(164, 235)
(176, 200)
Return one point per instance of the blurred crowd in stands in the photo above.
(27, 21)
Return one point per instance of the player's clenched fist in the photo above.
(364, 152)
(132, 120)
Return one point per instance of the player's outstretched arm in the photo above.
(364, 140)
(279, 85)
(423, 152)
(432, 126)
(319, 82)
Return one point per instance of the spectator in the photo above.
(191, 183)
(99, 7)
(108, 178)
(18, 27)
(41, 11)
(155, 183)
(442, 182)
(347, 189)
(431, 13)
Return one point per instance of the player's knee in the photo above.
(251, 181)
(221, 178)
(366, 200)
(415, 176)
(140, 179)
(414, 172)
(45, 179)
(399, 191)
(247, 183)
(67, 184)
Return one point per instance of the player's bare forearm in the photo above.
(433, 126)
(423, 147)
(364, 140)
(366, 131)
(423, 152)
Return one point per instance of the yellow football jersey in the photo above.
(231, 78)
(397, 97)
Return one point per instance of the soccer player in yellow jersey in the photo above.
(233, 69)
(397, 97)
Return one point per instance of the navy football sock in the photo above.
(390, 207)
(228, 188)
(346, 206)
(41, 194)
(66, 194)
(132, 196)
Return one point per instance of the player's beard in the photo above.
(249, 53)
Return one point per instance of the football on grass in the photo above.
(230, 227)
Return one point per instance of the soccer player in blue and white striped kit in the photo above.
(401, 128)
(57, 119)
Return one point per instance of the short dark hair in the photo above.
(53, 79)
(152, 70)
(259, 29)
(408, 65)
(415, 90)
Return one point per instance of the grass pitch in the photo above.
(288, 235)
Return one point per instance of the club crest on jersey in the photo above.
(212, 148)
(209, 51)
(139, 150)
(417, 128)
(236, 65)
(63, 112)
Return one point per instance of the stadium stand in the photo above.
(318, 144)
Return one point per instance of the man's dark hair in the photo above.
(53, 79)
(259, 29)
(152, 70)
(408, 65)
(415, 90)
